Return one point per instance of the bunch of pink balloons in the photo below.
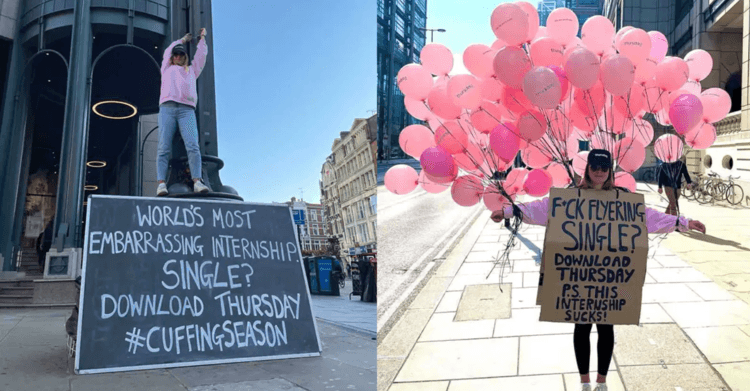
(543, 93)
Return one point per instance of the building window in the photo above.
(361, 210)
(375, 229)
(315, 230)
(374, 205)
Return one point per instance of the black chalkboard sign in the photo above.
(169, 282)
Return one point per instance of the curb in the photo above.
(352, 329)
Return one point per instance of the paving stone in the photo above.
(449, 302)
(685, 274)
(525, 266)
(256, 385)
(654, 313)
(668, 293)
(535, 357)
(455, 360)
(673, 261)
(614, 383)
(422, 386)
(460, 282)
(404, 334)
(685, 377)
(430, 295)
(706, 314)
(523, 298)
(485, 302)
(480, 256)
(710, 291)
(442, 327)
(544, 382)
(737, 375)
(714, 342)
(524, 322)
(531, 279)
(654, 343)
(475, 268)
(387, 370)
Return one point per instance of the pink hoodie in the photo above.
(178, 85)
(535, 212)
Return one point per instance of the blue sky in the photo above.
(290, 76)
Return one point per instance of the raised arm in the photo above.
(534, 212)
(200, 57)
(168, 54)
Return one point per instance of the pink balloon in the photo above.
(531, 125)
(542, 32)
(467, 190)
(671, 73)
(562, 25)
(487, 117)
(441, 103)
(716, 104)
(559, 174)
(493, 200)
(478, 60)
(656, 98)
(560, 128)
(465, 91)
(582, 68)
(414, 81)
(515, 100)
(545, 52)
(617, 74)
(498, 44)
(436, 58)
(510, 23)
(513, 184)
(584, 123)
(537, 182)
(632, 103)
(645, 70)
(542, 87)
(621, 33)
(533, 19)
(659, 46)
(597, 33)
(639, 129)
(615, 121)
(692, 87)
(471, 159)
(535, 155)
(625, 180)
(504, 141)
(414, 139)
(444, 179)
(492, 89)
(630, 154)
(699, 63)
(590, 102)
(437, 162)
(701, 137)
(668, 148)
(580, 161)
(417, 108)
(635, 45)
(685, 113)
(401, 179)
(451, 137)
(510, 65)
(563, 78)
(662, 116)
(430, 186)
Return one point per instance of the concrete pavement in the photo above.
(355, 314)
(694, 333)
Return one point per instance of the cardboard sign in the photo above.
(595, 253)
(169, 282)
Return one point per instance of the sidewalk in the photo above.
(33, 357)
(353, 314)
(694, 334)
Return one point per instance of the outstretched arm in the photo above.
(658, 222)
(534, 212)
(200, 55)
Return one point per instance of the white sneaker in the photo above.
(585, 387)
(601, 387)
(161, 190)
(199, 187)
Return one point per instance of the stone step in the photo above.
(16, 299)
(17, 290)
(21, 282)
(17, 305)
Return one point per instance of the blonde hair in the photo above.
(609, 184)
(187, 62)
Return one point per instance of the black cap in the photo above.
(600, 158)
(179, 48)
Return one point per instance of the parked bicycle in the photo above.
(712, 188)
(341, 277)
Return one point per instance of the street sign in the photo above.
(171, 282)
(299, 216)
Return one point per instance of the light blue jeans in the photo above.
(172, 115)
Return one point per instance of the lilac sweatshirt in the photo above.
(178, 85)
(535, 212)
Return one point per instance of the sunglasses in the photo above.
(596, 168)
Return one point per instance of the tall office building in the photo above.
(583, 9)
(545, 7)
(400, 40)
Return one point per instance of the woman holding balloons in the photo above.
(598, 176)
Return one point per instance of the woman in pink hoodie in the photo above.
(177, 108)
(598, 176)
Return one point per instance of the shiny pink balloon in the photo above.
(564, 82)
(542, 86)
(618, 74)
(625, 180)
(716, 104)
(414, 81)
(685, 113)
(533, 19)
(465, 91)
(537, 183)
(545, 52)
(444, 179)
(639, 129)
(451, 137)
(597, 33)
(630, 154)
(441, 103)
(582, 68)
(414, 139)
(510, 23)
(562, 25)
(478, 60)
(431, 186)
(659, 46)
(467, 190)
(510, 65)
(671, 73)
(635, 45)
(559, 174)
(401, 179)
(531, 125)
(493, 200)
(504, 141)
(437, 162)
(701, 137)
(668, 148)
(580, 161)
(700, 64)
(436, 58)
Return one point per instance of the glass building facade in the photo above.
(400, 40)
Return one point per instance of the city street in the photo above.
(413, 230)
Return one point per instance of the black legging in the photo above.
(604, 347)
